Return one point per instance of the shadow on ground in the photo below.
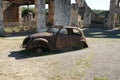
(101, 33)
(18, 34)
(23, 54)
(89, 32)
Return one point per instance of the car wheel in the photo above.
(38, 50)
(83, 44)
(39, 46)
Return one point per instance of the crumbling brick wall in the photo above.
(11, 13)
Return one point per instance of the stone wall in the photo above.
(81, 14)
(113, 19)
(50, 19)
(1, 19)
(11, 13)
(74, 15)
(40, 12)
(62, 12)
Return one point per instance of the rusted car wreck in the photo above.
(56, 38)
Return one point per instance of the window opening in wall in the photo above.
(118, 3)
(27, 17)
(119, 18)
(73, 1)
(46, 9)
(18, 16)
(27, 12)
(46, 12)
(49, 13)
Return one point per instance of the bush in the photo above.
(25, 11)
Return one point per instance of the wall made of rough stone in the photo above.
(62, 12)
(74, 15)
(1, 19)
(40, 13)
(50, 19)
(11, 13)
(114, 11)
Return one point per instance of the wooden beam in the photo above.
(25, 2)
(21, 2)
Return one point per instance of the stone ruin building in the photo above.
(114, 14)
(61, 12)
(85, 17)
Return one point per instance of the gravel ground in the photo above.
(101, 59)
(106, 62)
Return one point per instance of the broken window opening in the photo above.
(118, 3)
(119, 19)
(73, 1)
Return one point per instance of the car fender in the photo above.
(43, 41)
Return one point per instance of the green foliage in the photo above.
(98, 78)
(46, 11)
(25, 11)
(98, 11)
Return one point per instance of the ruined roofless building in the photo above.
(83, 16)
(59, 12)
(114, 14)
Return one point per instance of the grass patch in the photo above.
(53, 63)
(76, 71)
(18, 29)
(12, 29)
(85, 62)
(99, 78)
(1, 38)
(56, 77)
(8, 39)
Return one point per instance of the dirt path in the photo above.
(106, 61)
(101, 59)
(15, 66)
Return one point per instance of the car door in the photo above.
(75, 37)
(62, 40)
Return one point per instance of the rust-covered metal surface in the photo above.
(56, 38)
(24, 2)
(21, 2)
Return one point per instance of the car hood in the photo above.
(44, 34)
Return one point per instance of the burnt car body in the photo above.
(55, 38)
